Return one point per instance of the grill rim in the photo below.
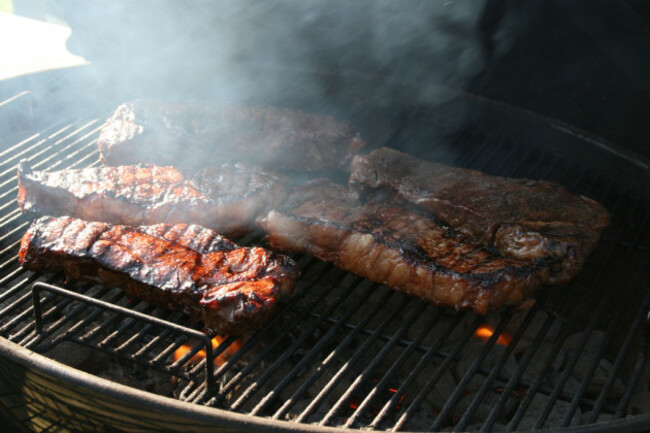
(215, 418)
(150, 402)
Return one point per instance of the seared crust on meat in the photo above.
(193, 135)
(227, 198)
(406, 250)
(519, 217)
(230, 288)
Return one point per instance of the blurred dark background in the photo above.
(584, 62)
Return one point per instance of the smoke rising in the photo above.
(150, 47)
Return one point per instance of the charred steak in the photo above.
(183, 267)
(226, 198)
(406, 250)
(196, 135)
(519, 217)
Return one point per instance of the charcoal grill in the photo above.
(342, 352)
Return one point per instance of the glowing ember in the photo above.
(484, 333)
(200, 355)
(375, 407)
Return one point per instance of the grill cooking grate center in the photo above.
(347, 352)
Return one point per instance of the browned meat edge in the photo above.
(226, 198)
(193, 135)
(408, 251)
(232, 289)
(519, 217)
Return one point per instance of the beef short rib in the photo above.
(232, 289)
(193, 135)
(406, 250)
(519, 217)
(226, 198)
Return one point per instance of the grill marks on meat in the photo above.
(406, 250)
(227, 198)
(519, 217)
(196, 135)
(179, 267)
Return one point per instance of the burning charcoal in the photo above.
(485, 407)
(599, 379)
(602, 417)
(536, 365)
(472, 351)
(451, 339)
(640, 402)
(534, 327)
(554, 418)
(587, 357)
(68, 353)
(421, 419)
(445, 385)
(129, 374)
(592, 347)
(571, 385)
(216, 341)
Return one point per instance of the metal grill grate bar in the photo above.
(383, 383)
(305, 359)
(512, 383)
(366, 373)
(613, 324)
(336, 377)
(488, 383)
(326, 363)
(288, 352)
(641, 315)
(439, 371)
(638, 369)
(319, 270)
(562, 380)
(256, 377)
(38, 287)
(253, 364)
(606, 302)
(423, 363)
(35, 338)
(460, 388)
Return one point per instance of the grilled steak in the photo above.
(225, 198)
(196, 135)
(409, 251)
(179, 267)
(519, 217)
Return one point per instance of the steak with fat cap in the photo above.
(407, 250)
